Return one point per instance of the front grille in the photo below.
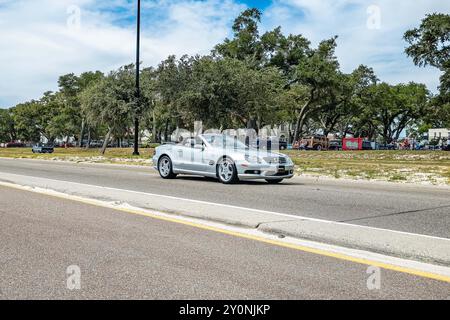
(280, 160)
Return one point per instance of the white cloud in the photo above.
(37, 45)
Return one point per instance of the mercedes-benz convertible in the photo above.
(222, 157)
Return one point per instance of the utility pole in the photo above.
(138, 89)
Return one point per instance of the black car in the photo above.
(42, 148)
(268, 143)
(335, 145)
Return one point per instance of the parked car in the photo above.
(222, 157)
(96, 144)
(42, 148)
(270, 143)
(335, 145)
(64, 145)
(317, 142)
(390, 146)
(14, 144)
(446, 148)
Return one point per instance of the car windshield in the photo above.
(223, 141)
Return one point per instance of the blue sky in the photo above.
(43, 39)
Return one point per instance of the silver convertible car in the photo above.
(222, 157)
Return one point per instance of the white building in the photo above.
(439, 134)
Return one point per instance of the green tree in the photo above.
(394, 108)
(33, 119)
(111, 102)
(245, 45)
(319, 72)
(70, 121)
(7, 129)
(429, 44)
(228, 92)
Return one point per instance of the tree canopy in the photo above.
(252, 79)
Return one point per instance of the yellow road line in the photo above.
(423, 274)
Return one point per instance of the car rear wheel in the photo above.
(165, 168)
(226, 171)
(274, 181)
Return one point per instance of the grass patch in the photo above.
(113, 155)
(408, 166)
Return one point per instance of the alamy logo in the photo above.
(374, 280)
(374, 19)
(74, 19)
(74, 279)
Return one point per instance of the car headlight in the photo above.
(253, 159)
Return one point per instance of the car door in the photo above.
(194, 155)
(178, 152)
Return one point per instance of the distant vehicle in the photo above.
(15, 145)
(115, 144)
(96, 144)
(42, 148)
(389, 146)
(446, 148)
(356, 144)
(335, 145)
(222, 157)
(316, 142)
(64, 145)
(270, 143)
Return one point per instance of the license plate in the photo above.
(281, 169)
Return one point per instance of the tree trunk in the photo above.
(88, 145)
(83, 124)
(105, 143)
(300, 123)
(166, 130)
(301, 120)
(251, 124)
(154, 138)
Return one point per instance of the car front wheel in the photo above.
(226, 171)
(165, 168)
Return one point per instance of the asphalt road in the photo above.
(123, 256)
(415, 209)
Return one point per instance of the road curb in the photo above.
(392, 243)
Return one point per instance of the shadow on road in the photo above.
(245, 182)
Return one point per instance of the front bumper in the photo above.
(248, 171)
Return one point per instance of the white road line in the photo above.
(285, 215)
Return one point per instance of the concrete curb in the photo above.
(394, 243)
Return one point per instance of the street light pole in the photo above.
(138, 89)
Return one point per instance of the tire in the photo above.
(275, 181)
(165, 168)
(319, 148)
(226, 171)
